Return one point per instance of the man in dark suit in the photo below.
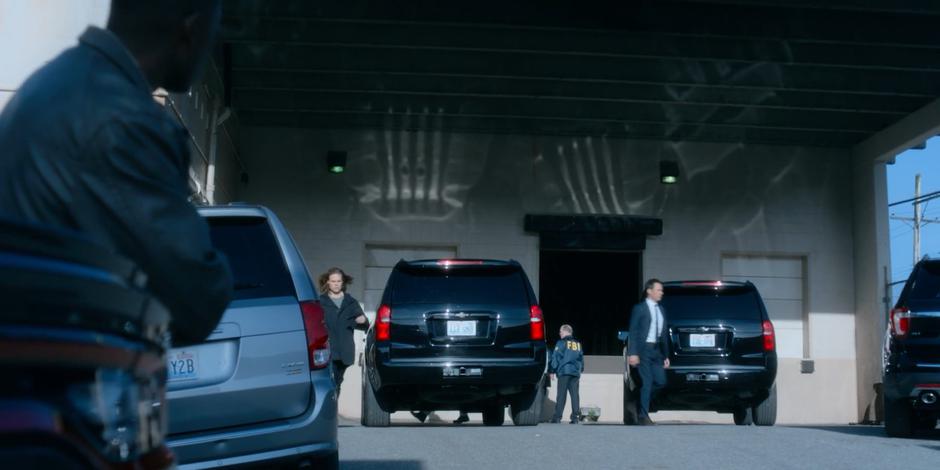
(648, 348)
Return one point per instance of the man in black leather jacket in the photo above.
(84, 146)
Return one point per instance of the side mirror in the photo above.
(623, 335)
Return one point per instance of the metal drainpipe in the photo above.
(217, 121)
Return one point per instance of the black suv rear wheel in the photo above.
(765, 412)
(372, 414)
(527, 410)
(898, 422)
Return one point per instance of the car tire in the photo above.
(743, 416)
(527, 410)
(494, 415)
(765, 412)
(898, 418)
(372, 414)
(629, 401)
(325, 462)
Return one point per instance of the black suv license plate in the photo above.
(463, 371)
(701, 377)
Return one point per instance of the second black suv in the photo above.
(912, 354)
(722, 353)
(456, 334)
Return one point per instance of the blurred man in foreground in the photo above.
(85, 147)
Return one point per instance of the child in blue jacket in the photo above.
(568, 363)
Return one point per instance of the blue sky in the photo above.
(900, 187)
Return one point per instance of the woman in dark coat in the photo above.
(343, 316)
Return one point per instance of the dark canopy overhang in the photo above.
(789, 72)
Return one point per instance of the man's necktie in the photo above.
(658, 315)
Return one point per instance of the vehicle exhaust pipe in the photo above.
(928, 398)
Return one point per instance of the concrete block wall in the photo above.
(472, 191)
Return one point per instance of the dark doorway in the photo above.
(593, 291)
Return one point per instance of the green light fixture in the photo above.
(336, 161)
(669, 172)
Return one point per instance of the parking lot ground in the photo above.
(414, 446)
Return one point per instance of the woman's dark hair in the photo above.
(324, 279)
(649, 285)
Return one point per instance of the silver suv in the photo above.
(259, 390)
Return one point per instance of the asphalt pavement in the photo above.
(414, 446)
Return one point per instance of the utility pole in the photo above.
(918, 220)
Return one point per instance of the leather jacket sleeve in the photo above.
(141, 183)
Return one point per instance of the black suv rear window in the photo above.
(466, 285)
(702, 303)
(926, 285)
(253, 254)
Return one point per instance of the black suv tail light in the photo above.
(383, 323)
(536, 323)
(318, 339)
(900, 322)
(770, 340)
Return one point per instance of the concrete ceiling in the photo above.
(751, 71)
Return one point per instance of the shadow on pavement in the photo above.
(508, 424)
(396, 424)
(872, 431)
(380, 465)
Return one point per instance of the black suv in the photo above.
(722, 353)
(456, 334)
(912, 354)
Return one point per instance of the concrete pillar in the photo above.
(872, 258)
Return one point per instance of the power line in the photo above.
(899, 235)
(918, 199)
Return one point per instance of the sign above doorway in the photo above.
(592, 232)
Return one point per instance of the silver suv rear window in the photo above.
(254, 256)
